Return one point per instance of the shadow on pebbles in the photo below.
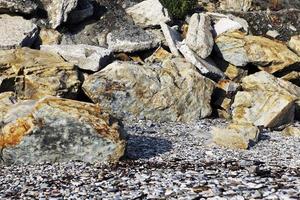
(168, 161)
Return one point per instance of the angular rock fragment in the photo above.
(86, 57)
(269, 55)
(225, 25)
(148, 13)
(294, 44)
(236, 5)
(236, 136)
(199, 37)
(205, 67)
(49, 36)
(234, 73)
(172, 38)
(33, 74)
(58, 130)
(173, 92)
(160, 55)
(17, 6)
(130, 39)
(58, 10)
(16, 32)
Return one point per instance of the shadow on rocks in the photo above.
(146, 147)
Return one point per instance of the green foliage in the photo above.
(178, 9)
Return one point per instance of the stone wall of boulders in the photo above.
(71, 70)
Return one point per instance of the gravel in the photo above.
(168, 161)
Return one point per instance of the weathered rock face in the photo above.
(17, 6)
(294, 44)
(58, 10)
(86, 57)
(131, 39)
(49, 36)
(240, 49)
(148, 13)
(199, 37)
(267, 101)
(236, 5)
(37, 74)
(58, 130)
(173, 92)
(16, 32)
(236, 136)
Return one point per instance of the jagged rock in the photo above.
(58, 130)
(173, 92)
(236, 5)
(16, 32)
(224, 25)
(49, 36)
(207, 68)
(83, 10)
(148, 13)
(199, 37)
(240, 49)
(86, 57)
(294, 44)
(17, 6)
(267, 101)
(160, 55)
(234, 73)
(131, 39)
(292, 130)
(236, 136)
(33, 74)
(58, 10)
(293, 77)
(172, 38)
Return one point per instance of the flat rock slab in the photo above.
(173, 92)
(16, 32)
(131, 39)
(86, 57)
(148, 13)
(33, 74)
(18, 6)
(57, 130)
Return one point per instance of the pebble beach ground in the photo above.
(168, 161)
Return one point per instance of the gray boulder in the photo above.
(16, 31)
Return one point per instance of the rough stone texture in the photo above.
(34, 74)
(59, 130)
(267, 101)
(172, 38)
(86, 57)
(236, 5)
(207, 68)
(16, 32)
(225, 25)
(240, 49)
(199, 37)
(148, 13)
(58, 10)
(83, 10)
(234, 73)
(237, 136)
(294, 44)
(17, 6)
(159, 56)
(292, 130)
(49, 36)
(131, 39)
(173, 92)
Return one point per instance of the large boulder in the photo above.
(32, 74)
(58, 10)
(57, 130)
(240, 49)
(173, 92)
(17, 6)
(86, 57)
(148, 13)
(16, 32)
(199, 37)
(266, 101)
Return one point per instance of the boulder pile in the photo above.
(72, 70)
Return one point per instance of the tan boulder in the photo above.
(37, 74)
(269, 55)
(54, 129)
(174, 91)
(236, 136)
